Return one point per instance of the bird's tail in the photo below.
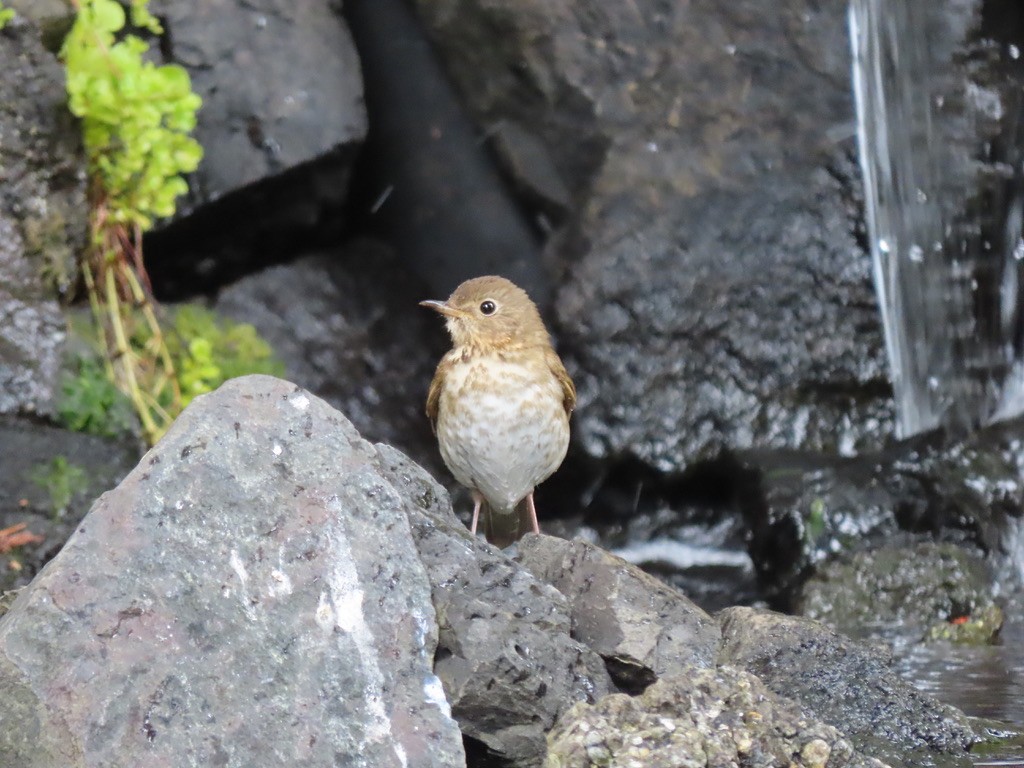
(505, 528)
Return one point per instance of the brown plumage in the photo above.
(499, 403)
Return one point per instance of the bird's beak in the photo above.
(444, 309)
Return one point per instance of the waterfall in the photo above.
(939, 126)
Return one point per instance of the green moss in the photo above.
(46, 242)
(980, 628)
(207, 350)
(62, 481)
(89, 402)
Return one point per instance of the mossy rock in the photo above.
(904, 591)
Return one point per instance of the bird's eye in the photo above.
(488, 307)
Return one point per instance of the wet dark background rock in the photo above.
(922, 591)
(428, 186)
(717, 293)
(804, 509)
(281, 123)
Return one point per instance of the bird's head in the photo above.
(489, 312)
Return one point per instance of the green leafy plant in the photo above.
(62, 481)
(136, 118)
(6, 14)
(89, 402)
(207, 350)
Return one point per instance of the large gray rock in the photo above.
(281, 122)
(705, 717)
(643, 629)
(718, 294)
(42, 218)
(847, 684)
(506, 656)
(250, 595)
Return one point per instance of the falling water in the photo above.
(939, 123)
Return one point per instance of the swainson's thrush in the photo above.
(499, 403)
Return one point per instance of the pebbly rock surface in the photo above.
(506, 654)
(42, 218)
(698, 718)
(281, 122)
(643, 629)
(847, 684)
(249, 595)
(716, 293)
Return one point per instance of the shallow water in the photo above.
(986, 681)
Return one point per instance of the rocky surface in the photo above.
(281, 122)
(228, 602)
(917, 591)
(42, 218)
(702, 717)
(643, 629)
(506, 656)
(267, 585)
(804, 509)
(847, 684)
(717, 293)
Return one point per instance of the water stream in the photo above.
(939, 88)
(940, 129)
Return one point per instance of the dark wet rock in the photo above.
(911, 591)
(343, 322)
(805, 509)
(718, 294)
(847, 684)
(49, 478)
(431, 189)
(231, 601)
(505, 653)
(42, 218)
(643, 629)
(281, 122)
(705, 717)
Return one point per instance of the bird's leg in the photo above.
(533, 512)
(477, 502)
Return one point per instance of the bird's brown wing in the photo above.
(568, 388)
(434, 395)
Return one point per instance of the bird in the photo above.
(499, 403)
